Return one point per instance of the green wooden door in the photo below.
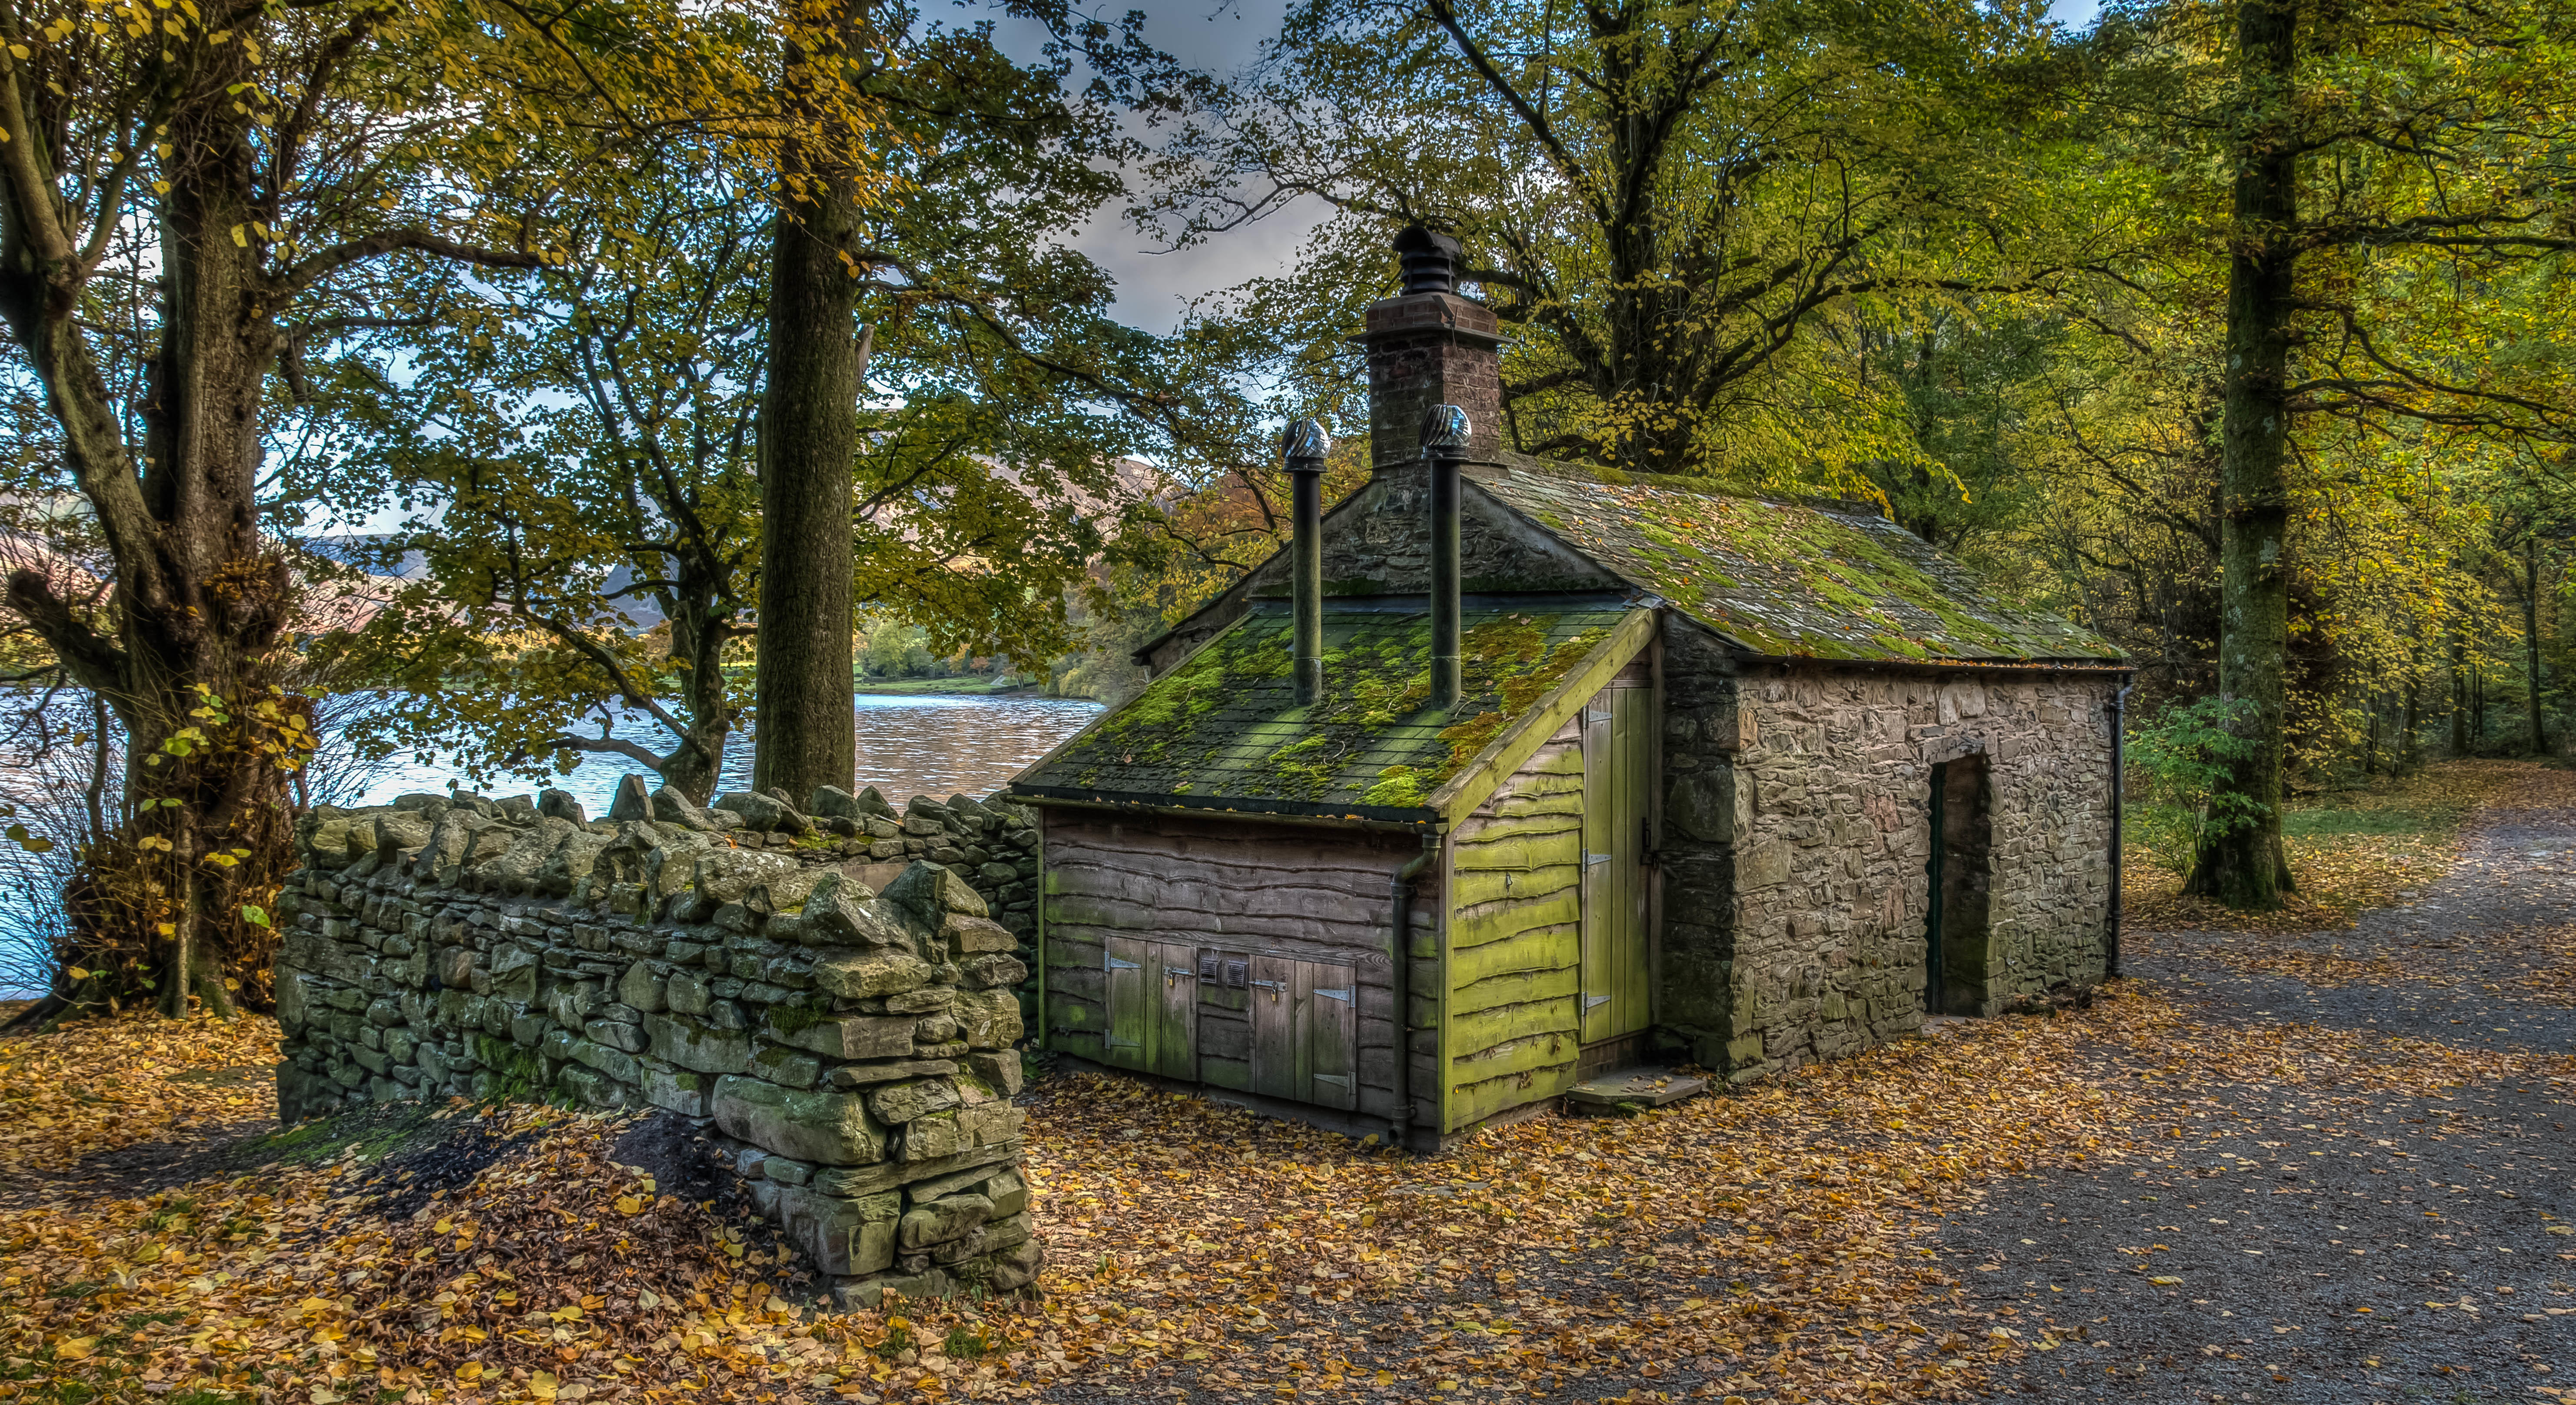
(1617, 770)
(1153, 1007)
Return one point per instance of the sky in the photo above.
(1154, 287)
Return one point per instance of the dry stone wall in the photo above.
(834, 996)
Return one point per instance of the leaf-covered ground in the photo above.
(2132, 1198)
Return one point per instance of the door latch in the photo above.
(1173, 975)
(1274, 987)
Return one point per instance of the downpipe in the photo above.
(2119, 804)
(1400, 951)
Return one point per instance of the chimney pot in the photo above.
(1304, 446)
(1445, 431)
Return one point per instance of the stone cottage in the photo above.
(1507, 773)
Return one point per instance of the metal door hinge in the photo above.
(1590, 858)
(1112, 963)
(1343, 995)
(1591, 1001)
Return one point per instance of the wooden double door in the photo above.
(1297, 1020)
(1618, 776)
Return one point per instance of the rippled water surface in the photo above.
(908, 745)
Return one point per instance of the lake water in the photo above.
(914, 744)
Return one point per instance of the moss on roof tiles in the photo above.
(1786, 579)
(1224, 726)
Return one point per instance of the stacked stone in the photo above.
(850, 1050)
(992, 843)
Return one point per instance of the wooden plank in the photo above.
(1218, 1072)
(1463, 792)
(1472, 1032)
(1561, 849)
(1547, 948)
(1487, 827)
(1509, 885)
(1475, 1102)
(1519, 1056)
(1517, 988)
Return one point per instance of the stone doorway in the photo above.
(1958, 948)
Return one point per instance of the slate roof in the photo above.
(1222, 730)
(1784, 579)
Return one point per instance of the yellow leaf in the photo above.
(74, 1348)
(469, 1372)
(542, 1385)
(629, 1205)
(2164, 1280)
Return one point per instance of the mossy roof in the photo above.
(1222, 729)
(1785, 579)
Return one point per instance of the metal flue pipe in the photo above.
(1303, 447)
(1444, 443)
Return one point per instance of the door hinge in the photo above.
(1112, 963)
(1590, 858)
(1343, 995)
(1338, 1080)
(1593, 1001)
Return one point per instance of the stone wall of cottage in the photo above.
(829, 995)
(1797, 831)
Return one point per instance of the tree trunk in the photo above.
(2531, 640)
(803, 697)
(199, 600)
(2459, 699)
(699, 629)
(2245, 868)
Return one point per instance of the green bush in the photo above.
(2186, 752)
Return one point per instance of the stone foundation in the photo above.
(835, 1005)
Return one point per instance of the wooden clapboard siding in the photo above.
(1295, 893)
(1516, 870)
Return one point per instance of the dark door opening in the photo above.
(1957, 947)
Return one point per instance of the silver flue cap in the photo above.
(1304, 444)
(1444, 432)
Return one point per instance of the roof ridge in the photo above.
(1675, 482)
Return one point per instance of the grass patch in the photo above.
(2351, 849)
(906, 687)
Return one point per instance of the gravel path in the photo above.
(2326, 1244)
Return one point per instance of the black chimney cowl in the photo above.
(1430, 261)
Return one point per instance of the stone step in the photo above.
(1642, 1085)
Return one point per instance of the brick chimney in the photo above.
(1428, 346)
